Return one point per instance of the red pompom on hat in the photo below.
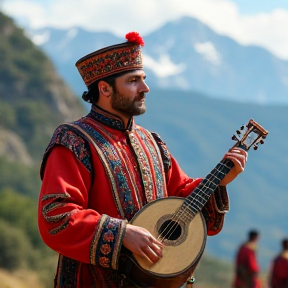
(135, 38)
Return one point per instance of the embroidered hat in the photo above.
(112, 59)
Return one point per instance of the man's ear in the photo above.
(104, 88)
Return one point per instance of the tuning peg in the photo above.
(261, 141)
(238, 132)
(255, 147)
(234, 138)
(242, 127)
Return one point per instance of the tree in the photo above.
(15, 249)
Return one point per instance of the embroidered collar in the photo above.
(108, 119)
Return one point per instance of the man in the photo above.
(100, 170)
(247, 268)
(279, 271)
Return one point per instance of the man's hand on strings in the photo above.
(141, 242)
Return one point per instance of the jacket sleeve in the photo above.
(65, 223)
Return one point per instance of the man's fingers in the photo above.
(238, 156)
(157, 249)
(153, 253)
(153, 249)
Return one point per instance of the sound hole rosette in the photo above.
(175, 229)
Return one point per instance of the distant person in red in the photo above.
(279, 269)
(247, 268)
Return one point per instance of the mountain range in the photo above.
(183, 55)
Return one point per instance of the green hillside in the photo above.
(33, 101)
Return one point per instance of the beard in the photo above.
(130, 107)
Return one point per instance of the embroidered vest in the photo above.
(147, 153)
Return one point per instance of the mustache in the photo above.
(141, 95)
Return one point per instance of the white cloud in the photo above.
(40, 39)
(268, 30)
(164, 67)
(119, 17)
(209, 52)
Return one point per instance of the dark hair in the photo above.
(285, 244)
(253, 234)
(92, 95)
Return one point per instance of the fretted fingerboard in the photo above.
(201, 194)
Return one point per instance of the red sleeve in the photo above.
(65, 223)
(178, 183)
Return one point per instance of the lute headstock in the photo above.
(252, 134)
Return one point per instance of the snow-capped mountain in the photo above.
(182, 55)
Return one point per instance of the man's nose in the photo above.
(144, 87)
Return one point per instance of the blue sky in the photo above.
(256, 6)
(257, 22)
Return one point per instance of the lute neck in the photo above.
(201, 194)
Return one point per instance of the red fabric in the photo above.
(65, 174)
(247, 268)
(65, 195)
(279, 273)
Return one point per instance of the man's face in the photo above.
(128, 96)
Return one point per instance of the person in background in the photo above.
(100, 170)
(246, 265)
(279, 268)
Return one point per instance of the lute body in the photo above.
(181, 252)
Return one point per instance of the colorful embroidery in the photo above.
(55, 218)
(166, 158)
(55, 196)
(105, 242)
(105, 249)
(61, 227)
(114, 123)
(104, 262)
(63, 218)
(68, 138)
(157, 163)
(109, 62)
(122, 179)
(144, 166)
(115, 167)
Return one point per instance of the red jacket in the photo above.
(89, 192)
